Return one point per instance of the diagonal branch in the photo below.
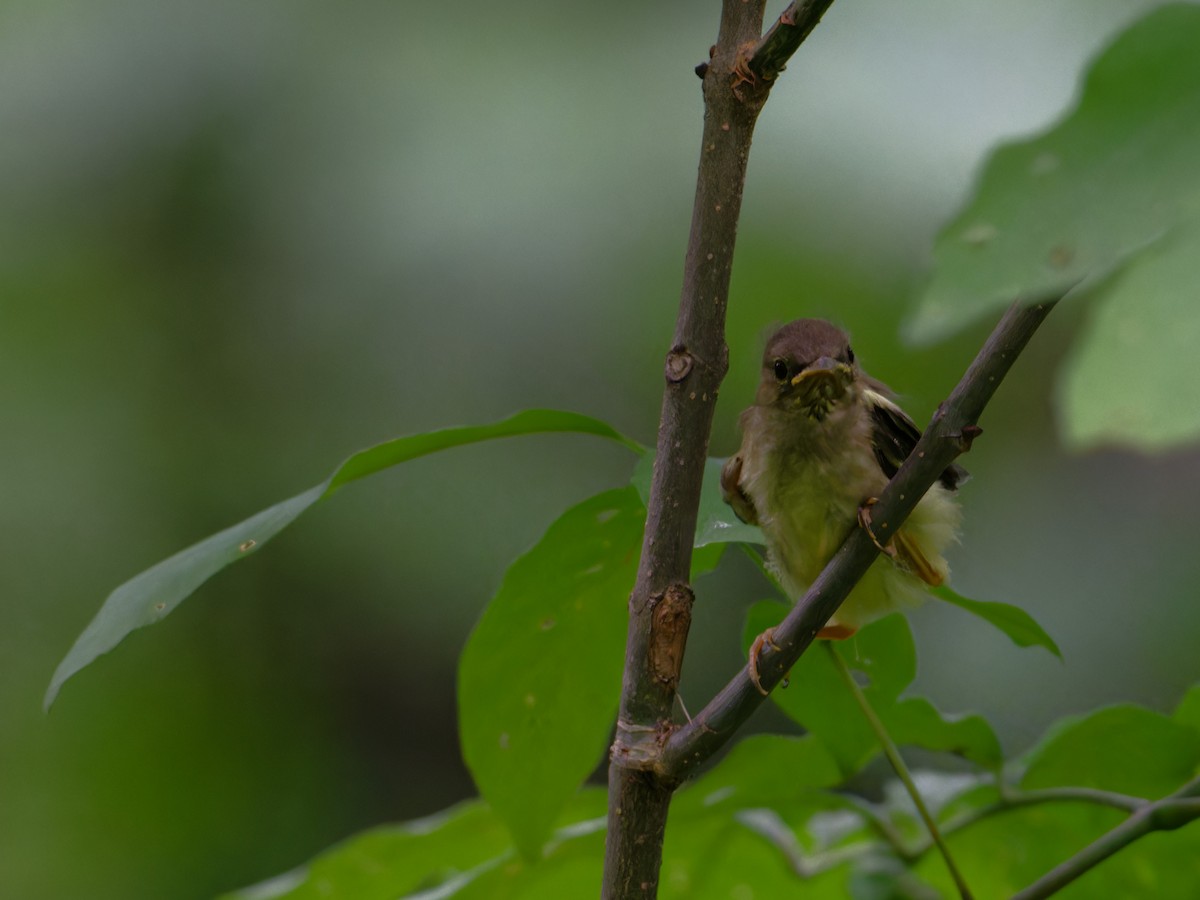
(1167, 814)
(949, 434)
(785, 37)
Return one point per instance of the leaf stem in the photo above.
(898, 766)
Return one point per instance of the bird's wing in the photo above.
(732, 493)
(893, 437)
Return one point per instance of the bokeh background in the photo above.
(240, 241)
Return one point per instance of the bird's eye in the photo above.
(781, 370)
(849, 354)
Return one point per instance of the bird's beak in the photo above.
(821, 385)
(825, 368)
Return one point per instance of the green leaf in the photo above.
(449, 854)
(717, 857)
(571, 864)
(572, 867)
(1188, 711)
(763, 770)
(540, 677)
(715, 522)
(884, 656)
(1116, 175)
(916, 721)
(1007, 851)
(151, 596)
(1134, 362)
(394, 860)
(1019, 625)
(1124, 748)
(750, 800)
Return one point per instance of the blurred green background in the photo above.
(240, 241)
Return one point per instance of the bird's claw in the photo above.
(864, 521)
(767, 637)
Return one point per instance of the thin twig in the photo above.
(1167, 814)
(1008, 800)
(892, 752)
(772, 53)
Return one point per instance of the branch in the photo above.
(1010, 800)
(660, 605)
(909, 853)
(1167, 814)
(949, 434)
(796, 22)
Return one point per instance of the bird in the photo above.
(818, 445)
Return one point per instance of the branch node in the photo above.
(636, 746)
(965, 438)
(679, 364)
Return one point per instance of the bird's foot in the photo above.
(767, 637)
(864, 521)
(836, 632)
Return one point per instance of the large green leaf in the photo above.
(1188, 711)
(1019, 625)
(917, 722)
(395, 860)
(767, 770)
(1123, 748)
(1112, 178)
(1005, 852)
(1131, 377)
(151, 596)
(716, 857)
(540, 677)
(461, 852)
(573, 866)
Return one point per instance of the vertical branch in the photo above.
(737, 82)
(697, 361)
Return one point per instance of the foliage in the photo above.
(1109, 200)
(539, 678)
(151, 596)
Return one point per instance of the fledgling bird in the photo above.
(818, 445)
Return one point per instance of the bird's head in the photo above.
(808, 367)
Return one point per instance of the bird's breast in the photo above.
(807, 489)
